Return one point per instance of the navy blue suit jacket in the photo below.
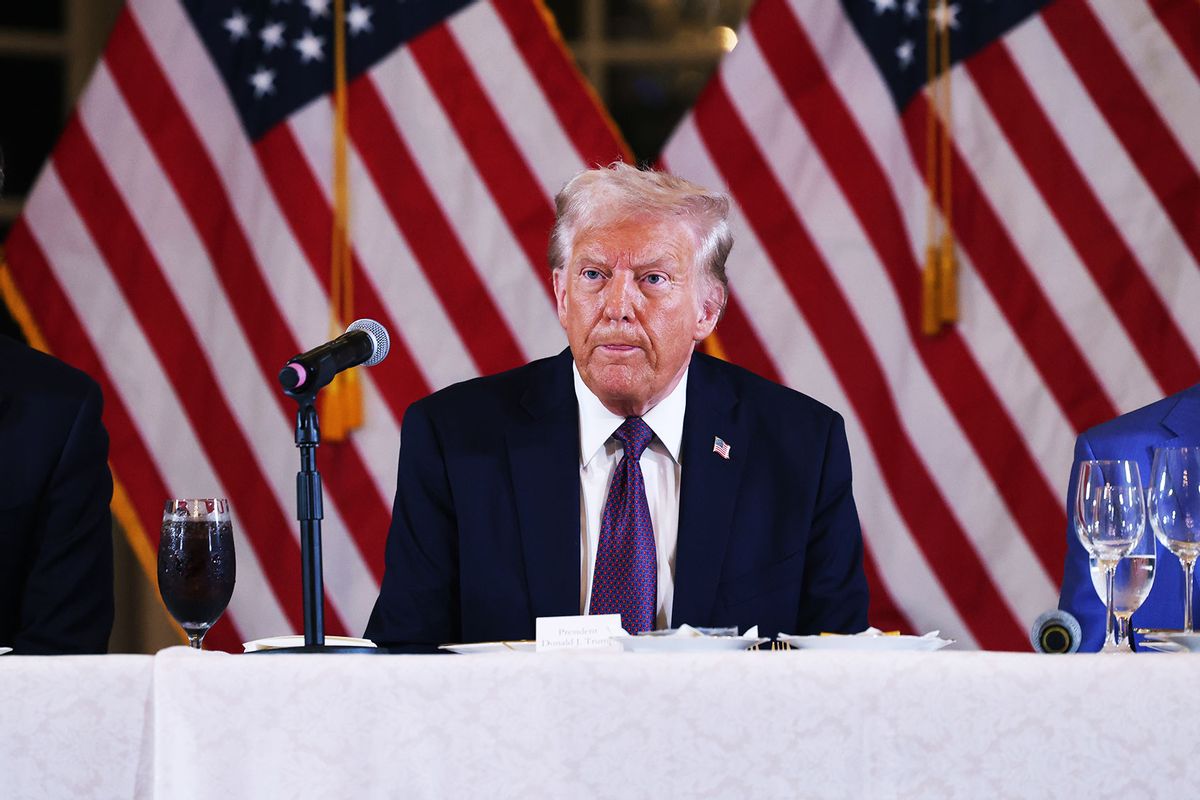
(56, 562)
(1171, 422)
(485, 529)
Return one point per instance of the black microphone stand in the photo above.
(310, 512)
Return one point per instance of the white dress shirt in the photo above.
(599, 454)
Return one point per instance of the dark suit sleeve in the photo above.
(67, 602)
(419, 596)
(1078, 594)
(835, 596)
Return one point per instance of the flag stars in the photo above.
(905, 53)
(310, 47)
(884, 5)
(912, 8)
(946, 15)
(263, 81)
(238, 26)
(358, 19)
(272, 36)
(317, 8)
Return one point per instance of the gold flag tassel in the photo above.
(947, 267)
(939, 278)
(341, 401)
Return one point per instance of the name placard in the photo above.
(593, 632)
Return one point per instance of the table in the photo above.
(816, 724)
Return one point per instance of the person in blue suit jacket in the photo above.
(1171, 422)
(56, 560)
(502, 479)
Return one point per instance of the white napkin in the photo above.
(297, 640)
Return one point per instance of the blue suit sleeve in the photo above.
(1078, 594)
(419, 597)
(836, 594)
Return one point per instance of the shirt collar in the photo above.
(597, 423)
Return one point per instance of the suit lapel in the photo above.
(1183, 418)
(1181, 427)
(543, 452)
(709, 490)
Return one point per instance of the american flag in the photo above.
(1076, 209)
(177, 247)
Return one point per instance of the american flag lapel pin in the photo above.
(720, 448)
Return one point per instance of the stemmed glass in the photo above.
(1131, 584)
(1175, 511)
(196, 565)
(1110, 515)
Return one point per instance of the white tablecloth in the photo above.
(590, 725)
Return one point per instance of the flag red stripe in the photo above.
(1147, 139)
(852, 358)
(958, 378)
(433, 239)
(116, 234)
(497, 160)
(195, 180)
(1083, 219)
(1054, 354)
(1181, 20)
(570, 98)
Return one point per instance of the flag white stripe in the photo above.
(1157, 65)
(933, 430)
(1054, 264)
(785, 335)
(497, 258)
(989, 337)
(1115, 180)
(421, 321)
(516, 96)
(137, 376)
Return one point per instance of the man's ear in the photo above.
(558, 279)
(712, 305)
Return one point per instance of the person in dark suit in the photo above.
(1173, 421)
(516, 499)
(56, 560)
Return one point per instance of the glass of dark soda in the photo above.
(196, 565)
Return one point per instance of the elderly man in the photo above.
(628, 474)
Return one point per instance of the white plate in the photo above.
(685, 644)
(523, 646)
(1180, 640)
(276, 642)
(4, 650)
(888, 643)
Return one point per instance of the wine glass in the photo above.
(1131, 584)
(196, 565)
(1175, 511)
(1110, 513)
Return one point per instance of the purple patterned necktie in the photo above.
(625, 580)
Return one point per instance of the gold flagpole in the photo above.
(341, 402)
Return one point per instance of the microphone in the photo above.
(1056, 631)
(365, 342)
